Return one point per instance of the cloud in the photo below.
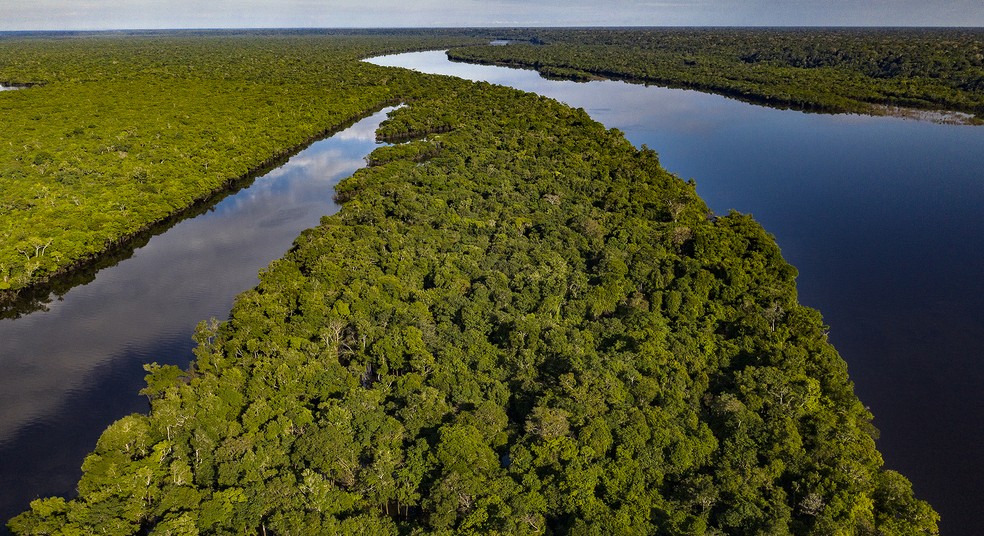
(164, 14)
(123, 14)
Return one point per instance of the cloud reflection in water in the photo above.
(57, 363)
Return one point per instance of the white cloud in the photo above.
(105, 14)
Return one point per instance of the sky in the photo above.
(164, 14)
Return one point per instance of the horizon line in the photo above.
(479, 27)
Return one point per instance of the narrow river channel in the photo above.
(881, 216)
(72, 370)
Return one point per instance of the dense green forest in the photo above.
(120, 131)
(518, 323)
(835, 70)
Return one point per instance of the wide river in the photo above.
(882, 217)
(71, 371)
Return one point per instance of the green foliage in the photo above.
(120, 132)
(838, 70)
(534, 329)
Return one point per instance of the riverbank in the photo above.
(915, 73)
(39, 292)
(943, 117)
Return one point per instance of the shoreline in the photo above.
(938, 116)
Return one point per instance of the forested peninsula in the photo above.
(857, 70)
(518, 323)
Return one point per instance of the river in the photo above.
(881, 216)
(72, 370)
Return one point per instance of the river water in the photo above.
(882, 217)
(71, 371)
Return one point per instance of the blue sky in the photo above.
(140, 14)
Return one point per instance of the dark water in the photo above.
(882, 217)
(71, 371)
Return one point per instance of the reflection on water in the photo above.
(70, 371)
(880, 215)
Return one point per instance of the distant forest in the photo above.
(833, 70)
(518, 323)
